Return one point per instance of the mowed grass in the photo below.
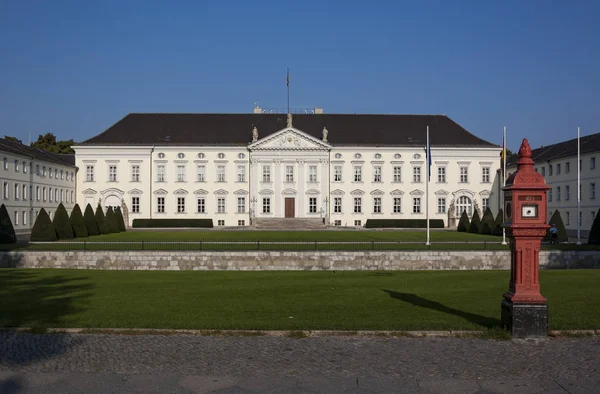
(434, 300)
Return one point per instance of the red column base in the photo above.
(525, 297)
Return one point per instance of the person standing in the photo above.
(553, 234)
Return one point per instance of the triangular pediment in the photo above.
(289, 139)
(201, 192)
(338, 192)
(397, 192)
(180, 191)
(221, 192)
(161, 191)
(240, 192)
(135, 191)
(89, 191)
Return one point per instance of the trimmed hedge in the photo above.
(165, 223)
(556, 219)
(79, 228)
(487, 223)
(120, 220)
(594, 238)
(498, 223)
(101, 221)
(404, 223)
(90, 221)
(43, 229)
(7, 231)
(475, 223)
(463, 223)
(62, 223)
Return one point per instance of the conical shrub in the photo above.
(487, 222)
(90, 221)
(463, 223)
(120, 220)
(79, 228)
(498, 223)
(595, 231)
(7, 231)
(62, 223)
(556, 220)
(101, 221)
(111, 221)
(43, 229)
(475, 223)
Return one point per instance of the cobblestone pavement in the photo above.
(442, 358)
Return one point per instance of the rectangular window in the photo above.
(24, 169)
(550, 170)
(312, 205)
(485, 175)
(16, 165)
(241, 173)
(266, 171)
(357, 204)
(62, 195)
(180, 204)
(135, 204)
(485, 203)
(416, 174)
(580, 218)
(592, 163)
(62, 175)
(397, 205)
(568, 218)
(337, 205)
(180, 173)
(135, 173)
(464, 174)
(558, 193)
(289, 173)
(5, 191)
(337, 173)
(37, 193)
(266, 205)
(201, 205)
(16, 218)
(357, 174)
(56, 195)
(51, 173)
(543, 171)
(592, 191)
(201, 173)
(112, 173)
(220, 173)
(568, 167)
(55, 174)
(89, 173)
(397, 174)
(160, 204)
(5, 163)
(357, 223)
(377, 205)
(337, 223)
(160, 173)
(16, 191)
(416, 204)
(221, 222)
(441, 203)
(24, 192)
(441, 174)
(550, 195)
(567, 193)
(241, 222)
(312, 173)
(44, 194)
(50, 194)
(557, 169)
(24, 216)
(377, 174)
(241, 204)
(221, 205)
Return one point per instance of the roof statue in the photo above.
(289, 120)
(254, 134)
(325, 132)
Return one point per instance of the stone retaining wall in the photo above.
(265, 260)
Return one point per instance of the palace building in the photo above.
(239, 168)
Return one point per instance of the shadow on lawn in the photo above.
(414, 299)
(38, 300)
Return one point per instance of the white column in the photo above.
(324, 181)
(300, 207)
(254, 186)
(277, 169)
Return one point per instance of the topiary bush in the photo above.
(43, 229)
(404, 223)
(165, 223)
(475, 223)
(556, 219)
(101, 221)
(120, 220)
(463, 223)
(90, 221)
(79, 227)
(594, 237)
(62, 223)
(7, 231)
(487, 222)
(498, 223)
(111, 221)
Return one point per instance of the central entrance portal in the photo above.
(290, 207)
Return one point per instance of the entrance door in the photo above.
(289, 207)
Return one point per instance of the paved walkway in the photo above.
(186, 363)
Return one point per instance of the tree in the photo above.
(79, 228)
(463, 223)
(48, 143)
(556, 220)
(475, 223)
(487, 222)
(7, 231)
(13, 139)
(498, 223)
(62, 223)
(43, 229)
(111, 220)
(120, 220)
(90, 221)
(595, 231)
(101, 221)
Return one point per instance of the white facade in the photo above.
(233, 184)
(29, 184)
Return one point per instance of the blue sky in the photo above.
(74, 68)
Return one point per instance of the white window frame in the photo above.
(357, 173)
(201, 204)
(181, 173)
(464, 203)
(16, 165)
(312, 173)
(485, 174)
(337, 205)
(180, 204)
(221, 205)
(221, 173)
(160, 204)
(241, 173)
(485, 203)
(357, 204)
(312, 205)
(376, 204)
(16, 193)
(89, 173)
(135, 204)
(266, 173)
(289, 173)
(441, 205)
(112, 173)
(416, 205)
(376, 173)
(201, 173)
(464, 174)
(135, 173)
(417, 174)
(5, 191)
(441, 174)
(241, 204)
(397, 174)
(161, 171)
(337, 173)
(266, 205)
(397, 204)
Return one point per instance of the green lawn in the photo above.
(413, 300)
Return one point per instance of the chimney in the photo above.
(318, 111)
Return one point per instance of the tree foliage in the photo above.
(43, 229)
(62, 223)
(475, 223)
(48, 143)
(487, 222)
(7, 231)
(556, 219)
(79, 227)
(498, 223)
(111, 220)
(463, 223)
(13, 139)
(120, 220)
(595, 231)
(90, 221)
(101, 221)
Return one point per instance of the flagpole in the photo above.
(504, 183)
(288, 89)
(427, 187)
(578, 187)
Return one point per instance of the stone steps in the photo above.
(289, 223)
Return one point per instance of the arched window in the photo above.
(463, 204)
